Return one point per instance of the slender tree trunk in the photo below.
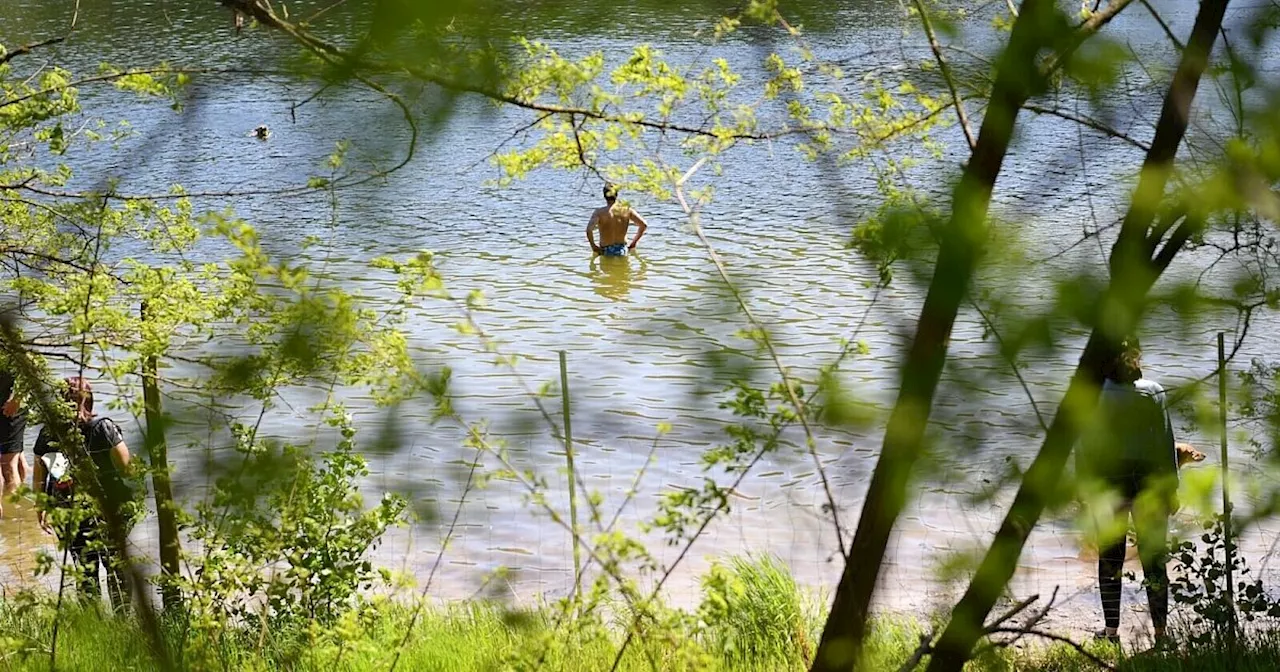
(158, 456)
(960, 248)
(1019, 75)
(1133, 272)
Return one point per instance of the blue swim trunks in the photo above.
(614, 250)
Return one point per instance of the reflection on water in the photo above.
(612, 277)
(20, 540)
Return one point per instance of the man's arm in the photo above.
(120, 455)
(591, 227)
(640, 227)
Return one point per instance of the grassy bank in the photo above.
(753, 617)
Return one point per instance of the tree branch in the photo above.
(28, 48)
(1093, 658)
(962, 238)
(946, 74)
(337, 57)
(1084, 31)
(1013, 364)
(1087, 121)
(1163, 26)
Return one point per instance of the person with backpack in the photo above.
(83, 531)
(1128, 465)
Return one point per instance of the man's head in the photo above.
(80, 393)
(610, 193)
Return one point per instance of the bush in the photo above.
(285, 544)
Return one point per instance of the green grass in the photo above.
(753, 618)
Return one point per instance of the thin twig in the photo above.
(1086, 121)
(1093, 658)
(1013, 364)
(1163, 26)
(800, 408)
(926, 645)
(453, 525)
(946, 74)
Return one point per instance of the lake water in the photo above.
(641, 333)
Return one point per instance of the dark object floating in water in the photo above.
(262, 132)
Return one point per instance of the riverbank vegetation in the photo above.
(752, 617)
(268, 567)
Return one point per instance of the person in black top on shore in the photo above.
(85, 535)
(13, 426)
(1129, 463)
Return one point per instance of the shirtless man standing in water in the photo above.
(613, 224)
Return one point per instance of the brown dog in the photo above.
(1188, 454)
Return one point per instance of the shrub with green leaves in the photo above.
(284, 542)
(1201, 584)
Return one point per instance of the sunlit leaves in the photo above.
(305, 518)
(902, 229)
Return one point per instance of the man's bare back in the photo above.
(613, 221)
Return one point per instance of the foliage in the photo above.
(1259, 405)
(1201, 585)
(285, 542)
(481, 636)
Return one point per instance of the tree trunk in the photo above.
(158, 456)
(961, 245)
(1133, 272)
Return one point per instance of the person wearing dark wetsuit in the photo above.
(13, 426)
(88, 540)
(1128, 463)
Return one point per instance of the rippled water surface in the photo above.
(641, 333)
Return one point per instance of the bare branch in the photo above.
(1013, 364)
(28, 48)
(926, 645)
(1093, 658)
(1163, 26)
(1084, 31)
(337, 57)
(946, 74)
(1087, 121)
